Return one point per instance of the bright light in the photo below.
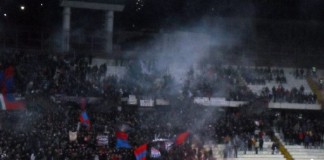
(5, 14)
(42, 4)
(22, 7)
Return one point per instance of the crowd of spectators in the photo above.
(302, 130)
(217, 81)
(280, 94)
(42, 131)
(245, 132)
(51, 74)
(300, 73)
(262, 75)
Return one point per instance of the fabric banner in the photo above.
(162, 102)
(132, 100)
(155, 153)
(167, 143)
(73, 136)
(102, 140)
(147, 103)
(213, 101)
(61, 98)
(217, 102)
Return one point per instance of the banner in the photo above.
(147, 103)
(73, 136)
(61, 98)
(102, 140)
(132, 100)
(217, 102)
(155, 153)
(162, 102)
(213, 101)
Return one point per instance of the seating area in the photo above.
(266, 154)
(291, 82)
(299, 152)
(236, 130)
(295, 89)
(300, 147)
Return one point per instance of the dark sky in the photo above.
(155, 14)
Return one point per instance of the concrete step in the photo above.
(255, 158)
(294, 147)
(253, 152)
(261, 155)
(305, 152)
(308, 158)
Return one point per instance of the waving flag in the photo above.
(155, 153)
(181, 138)
(9, 85)
(9, 71)
(9, 102)
(122, 140)
(84, 119)
(1, 79)
(8, 80)
(140, 152)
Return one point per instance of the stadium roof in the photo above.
(120, 2)
(115, 5)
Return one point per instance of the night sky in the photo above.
(156, 14)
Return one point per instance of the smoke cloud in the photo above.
(196, 46)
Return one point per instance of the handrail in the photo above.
(282, 149)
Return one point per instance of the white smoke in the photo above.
(176, 51)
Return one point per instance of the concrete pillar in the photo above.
(66, 29)
(109, 31)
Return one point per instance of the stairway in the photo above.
(299, 152)
(266, 154)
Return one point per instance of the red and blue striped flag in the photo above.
(84, 119)
(122, 140)
(140, 152)
(10, 102)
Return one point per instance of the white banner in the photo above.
(295, 106)
(73, 136)
(60, 98)
(147, 103)
(102, 140)
(217, 102)
(162, 102)
(132, 100)
(213, 101)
